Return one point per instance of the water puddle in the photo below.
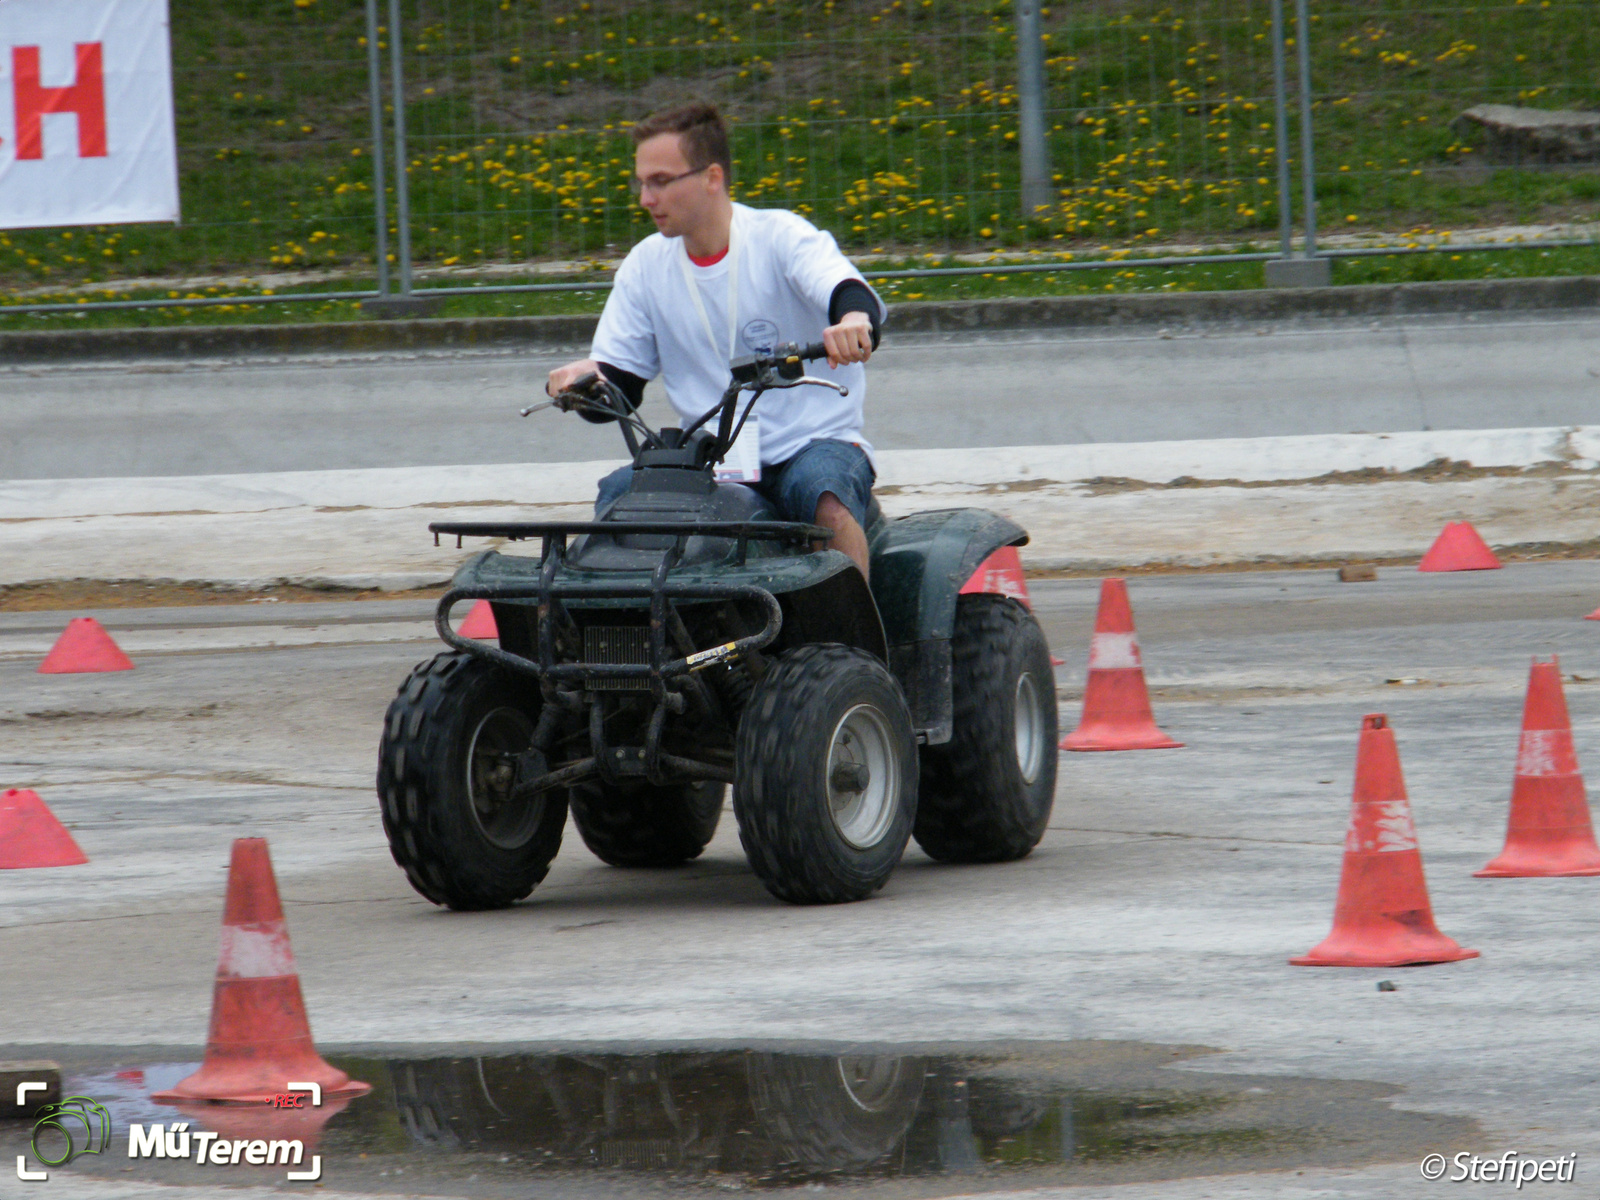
(885, 1122)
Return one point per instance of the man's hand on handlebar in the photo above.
(850, 341)
(562, 378)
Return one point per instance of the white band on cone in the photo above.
(255, 951)
(1113, 651)
(1396, 830)
(1536, 752)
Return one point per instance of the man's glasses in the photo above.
(658, 183)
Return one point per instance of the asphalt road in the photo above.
(1159, 910)
(925, 392)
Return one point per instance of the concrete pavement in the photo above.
(200, 416)
(1161, 907)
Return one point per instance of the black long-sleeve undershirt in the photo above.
(850, 296)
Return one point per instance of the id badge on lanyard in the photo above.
(743, 463)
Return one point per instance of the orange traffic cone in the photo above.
(84, 646)
(1116, 703)
(1382, 917)
(30, 835)
(1459, 548)
(260, 1040)
(1548, 831)
(479, 622)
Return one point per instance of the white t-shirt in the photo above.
(788, 269)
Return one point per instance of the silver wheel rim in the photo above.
(862, 777)
(870, 1082)
(1029, 721)
(500, 736)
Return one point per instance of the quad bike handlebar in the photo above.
(784, 367)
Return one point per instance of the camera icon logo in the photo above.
(74, 1126)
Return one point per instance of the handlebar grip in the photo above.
(814, 351)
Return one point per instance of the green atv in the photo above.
(687, 640)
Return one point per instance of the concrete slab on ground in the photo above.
(1169, 890)
(1103, 507)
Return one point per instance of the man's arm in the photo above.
(817, 270)
(853, 323)
(625, 335)
(631, 385)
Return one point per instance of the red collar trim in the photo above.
(709, 262)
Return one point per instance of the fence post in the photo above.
(402, 188)
(405, 302)
(1036, 188)
(1308, 174)
(379, 183)
(1280, 101)
(1307, 270)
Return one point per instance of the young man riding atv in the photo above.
(703, 631)
(723, 280)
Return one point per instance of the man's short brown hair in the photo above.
(701, 134)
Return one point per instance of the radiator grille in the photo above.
(616, 644)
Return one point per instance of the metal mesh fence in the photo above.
(894, 123)
(1392, 81)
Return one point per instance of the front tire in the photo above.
(637, 824)
(446, 775)
(987, 793)
(825, 775)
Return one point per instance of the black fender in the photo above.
(836, 608)
(919, 564)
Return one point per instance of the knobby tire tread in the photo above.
(783, 825)
(974, 805)
(415, 748)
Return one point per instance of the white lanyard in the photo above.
(733, 293)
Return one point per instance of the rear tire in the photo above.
(637, 824)
(987, 793)
(825, 775)
(443, 780)
(835, 1114)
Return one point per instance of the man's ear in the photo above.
(715, 176)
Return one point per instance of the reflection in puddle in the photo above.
(1101, 1111)
(589, 1123)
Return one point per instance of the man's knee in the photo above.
(831, 510)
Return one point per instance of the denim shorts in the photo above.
(795, 486)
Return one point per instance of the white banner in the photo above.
(86, 129)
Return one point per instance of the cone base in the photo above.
(1101, 738)
(349, 1091)
(1506, 867)
(255, 1072)
(247, 1076)
(1344, 951)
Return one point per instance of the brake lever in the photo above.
(804, 379)
(533, 408)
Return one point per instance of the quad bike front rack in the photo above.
(662, 592)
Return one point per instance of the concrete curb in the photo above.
(1161, 310)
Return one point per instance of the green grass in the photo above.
(891, 122)
(1497, 264)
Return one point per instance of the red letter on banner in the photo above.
(86, 96)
